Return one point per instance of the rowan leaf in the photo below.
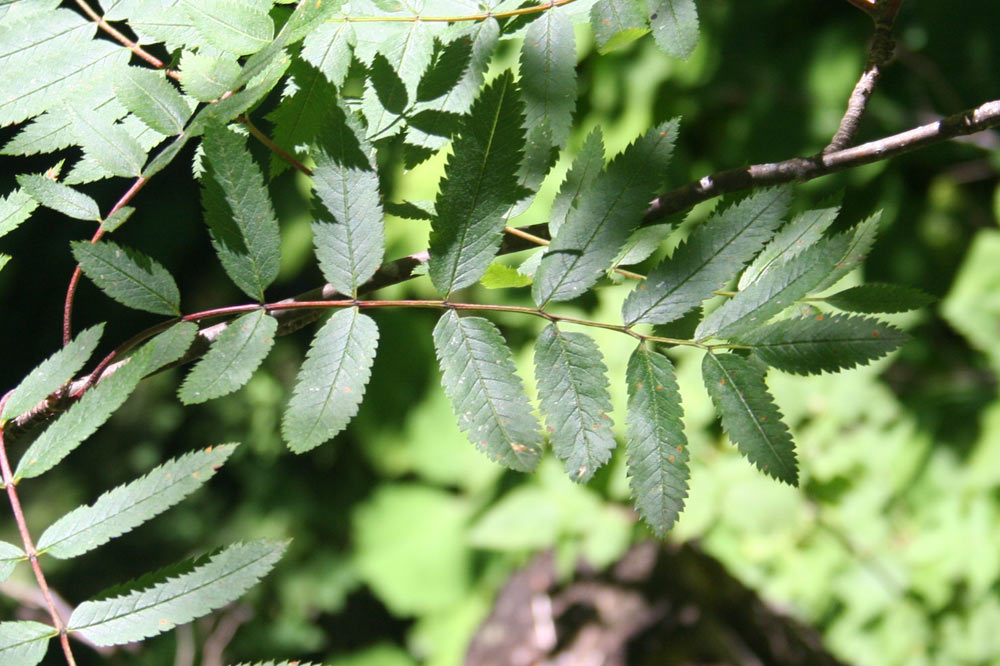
(106, 142)
(238, 212)
(479, 185)
(605, 215)
(15, 208)
(548, 75)
(84, 417)
(775, 291)
(749, 415)
(23, 642)
(127, 506)
(4, 258)
(207, 78)
(332, 380)
(52, 373)
(349, 232)
(587, 165)
(711, 256)
(153, 99)
(231, 359)
(10, 555)
(617, 23)
(861, 240)
(62, 198)
(480, 379)
(177, 600)
(389, 89)
(239, 27)
(128, 276)
(675, 26)
(410, 53)
(823, 343)
(300, 116)
(170, 345)
(880, 297)
(445, 71)
(804, 231)
(502, 276)
(573, 395)
(656, 446)
(328, 49)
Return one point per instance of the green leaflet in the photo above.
(641, 245)
(170, 345)
(60, 197)
(166, 156)
(275, 663)
(823, 343)
(332, 380)
(24, 642)
(880, 297)
(548, 75)
(128, 276)
(711, 256)
(749, 415)
(479, 185)
(410, 52)
(124, 508)
(176, 600)
(301, 114)
(26, 42)
(502, 276)
(207, 78)
(238, 212)
(239, 27)
(775, 291)
(605, 215)
(231, 360)
(804, 231)
(586, 167)
(10, 555)
(230, 107)
(384, 99)
(153, 99)
(117, 219)
(4, 258)
(675, 26)
(859, 245)
(450, 61)
(154, 22)
(573, 394)
(52, 373)
(15, 208)
(349, 233)
(480, 379)
(85, 416)
(105, 142)
(328, 49)
(617, 23)
(657, 448)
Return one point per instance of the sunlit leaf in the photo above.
(15, 208)
(24, 643)
(60, 197)
(502, 276)
(208, 78)
(548, 75)
(107, 143)
(617, 23)
(328, 49)
(586, 167)
(232, 358)
(235, 26)
(861, 240)
(153, 99)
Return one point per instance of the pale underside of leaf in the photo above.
(480, 379)
(573, 392)
(10, 555)
(106, 142)
(548, 75)
(153, 99)
(23, 643)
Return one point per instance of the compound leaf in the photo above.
(775, 291)
(128, 276)
(479, 185)
(749, 415)
(712, 255)
(675, 26)
(153, 99)
(177, 600)
(656, 445)
(84, 417)
(604, 217)
(10, 555)
(24, 642)
(52, 373)
(62, 198)
(480, 379)
(349, 233)
(804, 231)
(232, 358)
(617, 23)
(239, 213)
(823, 343)
(332, 380)
(124, 508)
(548, 75)
(880, 297)
(573, 393)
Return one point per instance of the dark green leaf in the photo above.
(481, 381)
(128, 276)
(712, 256)
(479, 185)
(617, 23)
(641, 245)
(232, 358)
(859, 245)
(332, 380)
(388, 86)
(445, 71)
(171, 345)
(823, 343)
(675, 26)
(153, 99)
(432, 121)
(300, 116)
(657, 448)
(60, 197)
(750, 416)
(605, 215)
(117, 219)
(804, 231)
(410, 210)
(879, 297)
(23, 643)
(586, 167)
(548, 75)
(52, 373)
(573, 392)
(349, 233)
(239, 213)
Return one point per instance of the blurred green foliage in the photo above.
(403, 533)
